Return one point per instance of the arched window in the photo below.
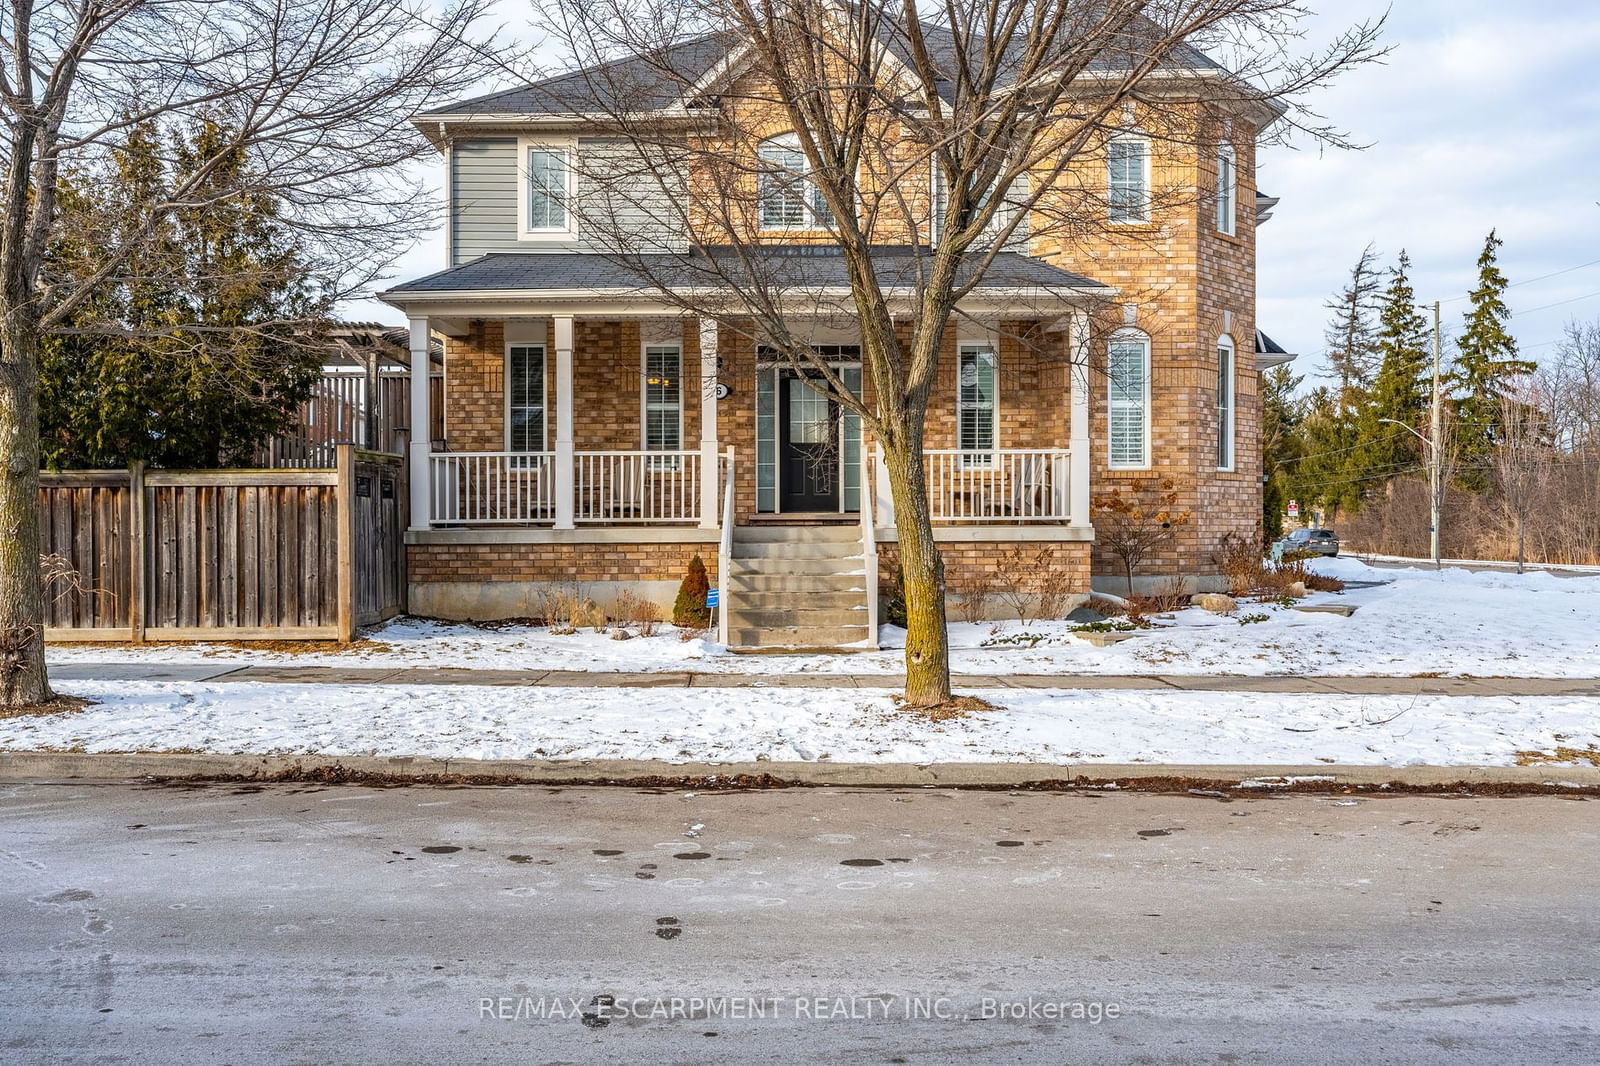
(1225, 401)
(1128, 177)
(1227, 185)
(1128, 399)
(788, 199)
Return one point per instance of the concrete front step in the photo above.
(838, 534)
(768, 582)
(796, 636)
(797, 567)
(799, 599)
(785, 549)
(806, 617)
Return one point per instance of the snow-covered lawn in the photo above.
(1451, 622)
(844, 725)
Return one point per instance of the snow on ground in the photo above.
(1451, 621)
(844, 725)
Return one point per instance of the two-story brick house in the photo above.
(595, 433)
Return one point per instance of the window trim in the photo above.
(979, 456)
(1227, 192)
(644, 400)
(1143, 339)
(1227, 418)
(1129, 136)
(544, 397)
(809, 205)
(568, 147)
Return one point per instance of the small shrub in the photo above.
(1316, 582)
(1239, 560)
(565, 609)
(1107, 626)
(970, 596)
(689, 610)
(1014, 640)
(1030, 585)
(1251, 619)
(892, 598)
(636, 611)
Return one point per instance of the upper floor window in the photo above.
(1225, 402)
(1128, 401)
(789, 200)
(939, 199)
(1128, 178)
(549, 189)
(1227, 185)
(975, 401)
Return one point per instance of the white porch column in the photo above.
(882, 499)
(710, 483)
(1082, 382)
(565, 459)
(421, 445)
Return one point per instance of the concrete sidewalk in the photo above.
(363, 675)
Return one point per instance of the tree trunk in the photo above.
(922, 578)
(22, 675)
(1522, 541)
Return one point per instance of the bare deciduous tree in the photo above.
(1521, 462)
(316, 93)
(1006, 103)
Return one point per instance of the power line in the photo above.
(1558, 303)
(1530, 281)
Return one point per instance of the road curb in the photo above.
(33, 766)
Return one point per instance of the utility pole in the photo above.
(1435, 445)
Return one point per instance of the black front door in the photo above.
(808, 446)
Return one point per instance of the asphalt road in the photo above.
(302, 924)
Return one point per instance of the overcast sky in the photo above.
(1487, 114)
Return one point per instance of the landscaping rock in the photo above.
(1215, 602)
(1104, 640)
(1297, 589)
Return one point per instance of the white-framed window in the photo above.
(1128, 178)
(977, 384)
(1227, 188)
(661, 400)
(939, 201)
(546, 182)
(788, 198)
(525, 399)
(1225, 402)
(1128, 400)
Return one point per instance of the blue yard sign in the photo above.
(713, 596)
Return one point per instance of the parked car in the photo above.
(1307, 541)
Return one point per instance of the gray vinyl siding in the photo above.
(616, 194)
(483, 198)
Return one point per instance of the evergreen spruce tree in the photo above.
(1486, 360)
(1401, 392)
(1350, 336)
(1326, 476)
(205, 344)
(1281, 444)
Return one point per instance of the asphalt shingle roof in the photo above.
(792, 266)
(657, 80)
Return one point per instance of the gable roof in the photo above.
(656, 80)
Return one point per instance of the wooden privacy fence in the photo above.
(223, 554)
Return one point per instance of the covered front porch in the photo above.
(538, 406)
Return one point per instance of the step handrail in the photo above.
(725, 553)
(869, 547)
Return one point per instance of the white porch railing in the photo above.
(636, 486)
(1004, 485)
(505, 488)
(519, 488)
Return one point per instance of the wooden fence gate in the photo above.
(224, 554)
